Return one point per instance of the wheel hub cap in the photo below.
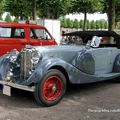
(52, 88)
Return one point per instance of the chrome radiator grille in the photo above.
(26, 65)
(28, 61)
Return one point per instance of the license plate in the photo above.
(7, 90)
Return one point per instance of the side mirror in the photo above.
(95, 41)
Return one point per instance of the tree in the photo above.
(63, 23)
(111, 14)
(18, 8)
(106, 25)
(2, 3)
(69, 23)
(81, 23)
(117, 11)
(102, 24)
(109, 8)
(92, 24)
(118, 25)
(97, 24)
(16, 19)
(88, 24)
(53, 8)
(0, 17)
(34, 9)
(86, 6)
(76, 24)
(8, 18)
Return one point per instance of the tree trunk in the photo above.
(111, 18)
(85, 21)
(34, 9)
(111, 15)
(21, 17)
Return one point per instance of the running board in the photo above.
(108, 76)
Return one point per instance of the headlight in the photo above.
(13, 55)
(36, 56)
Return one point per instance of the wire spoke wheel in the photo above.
(51, 89)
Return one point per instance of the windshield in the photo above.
(106, 40)
(67, 40)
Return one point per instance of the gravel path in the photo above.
(98, 101)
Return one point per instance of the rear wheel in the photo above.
(51, 89)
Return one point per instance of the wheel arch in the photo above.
(62, 70)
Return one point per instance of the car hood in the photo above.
(60, 48)
(63, 52)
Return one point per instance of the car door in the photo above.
(12, 38)
(104, 59)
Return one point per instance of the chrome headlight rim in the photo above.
(36, 57)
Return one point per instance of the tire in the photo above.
(51, 89)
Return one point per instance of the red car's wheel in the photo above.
(50, 90)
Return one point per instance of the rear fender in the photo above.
(116, 66)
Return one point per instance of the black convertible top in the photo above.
(98, 33)
(93, 33)
(87, 35)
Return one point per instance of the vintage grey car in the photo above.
(46, 71)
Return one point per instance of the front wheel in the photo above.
(51, 89)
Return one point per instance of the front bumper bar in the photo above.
(14, 85)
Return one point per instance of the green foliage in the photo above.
(101, 23)
(88, 24)
(110, 7)
(8, 18)
(75, 23)
(57, 8)
(92, 24)
(88, 6)
(98, 24)
(1, 17)
(63, 23)
(106, 25)
(16, 19)
(2, 3)
(53, 8)
(81, 23)
(118, 25)
(69, 23)
(18, 8)
(45, 8)
(117, 10)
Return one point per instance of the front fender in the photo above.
(43, 67)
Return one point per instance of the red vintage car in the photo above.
(17, 35)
